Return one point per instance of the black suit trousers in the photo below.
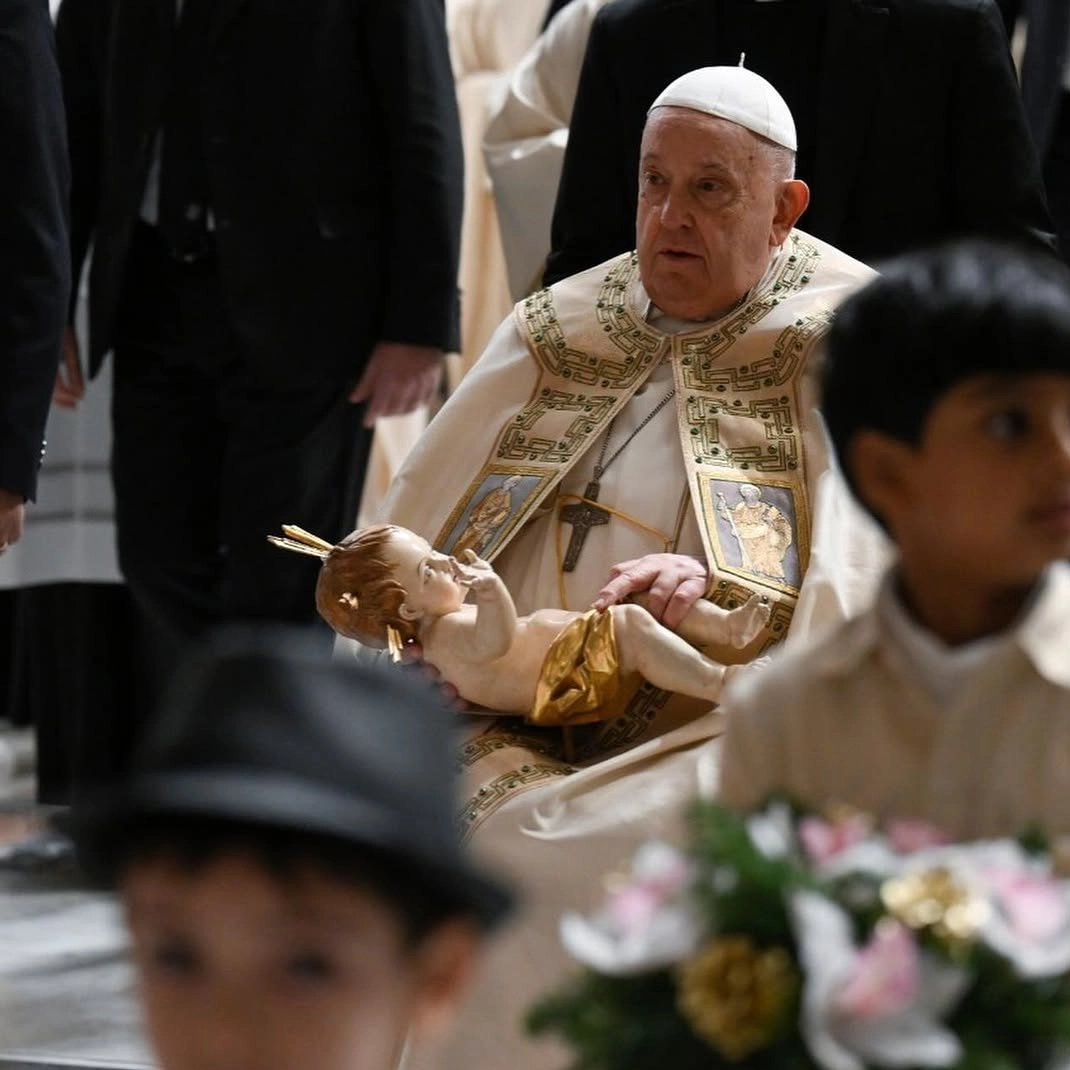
(209, 457)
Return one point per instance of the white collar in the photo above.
(1042, 632)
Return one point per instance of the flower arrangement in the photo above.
(793, 941)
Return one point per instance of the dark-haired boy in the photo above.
(288, 862)
(947, 397)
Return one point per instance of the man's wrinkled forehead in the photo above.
(705, 136)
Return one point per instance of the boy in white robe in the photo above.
(947, 397)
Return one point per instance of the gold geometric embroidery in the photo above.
(516, 443)
(773, 415)
(624, 730)
(636, 343)
(499, 789)
(791, 349)
(632, 337)
(505, 732)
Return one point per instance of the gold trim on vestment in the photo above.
(576, 397)
(740, 424)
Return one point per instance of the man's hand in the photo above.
(673, 582)
(70, 383)
(12, 514)
(398, 379)
(412, 654)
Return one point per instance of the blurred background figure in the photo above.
(35, 271)
(487, 39)
(526, 137)
(267, 293)
(1046, 94)
(900, 109)
(35, 281)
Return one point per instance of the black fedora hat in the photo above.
(263, 727)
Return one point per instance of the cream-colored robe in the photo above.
(524, 145)
(487, 38)
(559, 829)
(852, 721)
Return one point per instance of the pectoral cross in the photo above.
(582, 516)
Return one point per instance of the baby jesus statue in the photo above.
(386, 586)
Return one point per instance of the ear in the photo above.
(446, 960)
(405, 613)
(792, 200)
(880, 467)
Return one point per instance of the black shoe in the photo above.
(46, 851)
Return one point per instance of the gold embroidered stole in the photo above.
(589, 367)
(739, 415)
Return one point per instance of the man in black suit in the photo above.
(909, 120)
(1046, 95)
(34, 259)
(273, 193)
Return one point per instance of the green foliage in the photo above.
(634, 1023)
(741, 889)
(616, 1023)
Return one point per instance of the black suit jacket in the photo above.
(1046, 47)
(34, 260)
(335, 158)
(920, 130)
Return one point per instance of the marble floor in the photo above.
(66, 997)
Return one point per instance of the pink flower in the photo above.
(885, 976)
(823, 840)
(1034, 905)
(660, 874)
(908, 835)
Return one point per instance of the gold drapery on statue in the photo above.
(580, 675)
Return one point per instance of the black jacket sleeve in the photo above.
(997, 186)
(594, 216)
(35, 273)
(408, 56)
(81, 39)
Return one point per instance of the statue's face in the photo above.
(713, 204)
(432, 581)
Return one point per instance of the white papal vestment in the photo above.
(526, 426)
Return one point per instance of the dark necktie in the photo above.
(184, 182)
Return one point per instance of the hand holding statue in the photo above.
(666, 585)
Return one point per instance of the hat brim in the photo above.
(101, 828)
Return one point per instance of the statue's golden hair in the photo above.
(357, 593)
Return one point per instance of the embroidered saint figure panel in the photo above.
(757, 530)
(485, 520)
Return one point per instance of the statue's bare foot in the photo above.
(746, 622)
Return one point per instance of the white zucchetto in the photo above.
(735, 94)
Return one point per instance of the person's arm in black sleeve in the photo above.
(997, 186)
(34, 249)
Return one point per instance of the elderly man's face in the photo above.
(713, 203)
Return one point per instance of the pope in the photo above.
(657, 420)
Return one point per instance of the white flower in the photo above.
(650, 922)
(1028, 920)
(880, 1005)
(772, 830)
